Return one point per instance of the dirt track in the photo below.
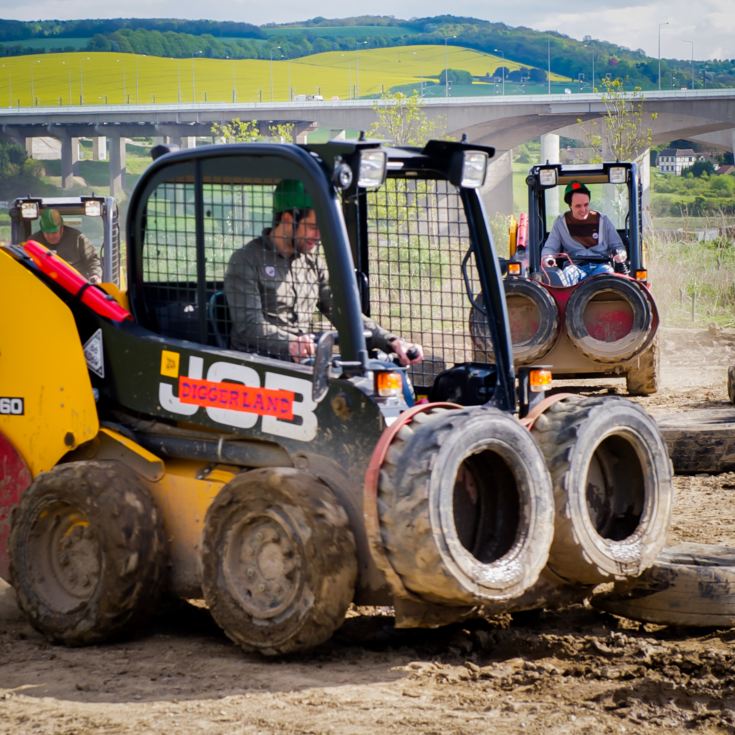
(576, 671)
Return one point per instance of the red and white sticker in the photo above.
(237, 396)
(261, 401)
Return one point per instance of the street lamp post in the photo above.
(660, 26)
(357, 70)
(502, 53)
(593, 69)
(691, 43)
(194, 76)
(548, 65)
(446, 65)
(271, 70)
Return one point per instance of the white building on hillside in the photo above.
(675, 160)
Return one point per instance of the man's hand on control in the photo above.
(407, 354)
(620, 256)
(301, 347)
(94, 279)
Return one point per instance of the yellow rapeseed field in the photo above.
(113, 78)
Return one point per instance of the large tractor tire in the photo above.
(689, 585)
(465, 507)
(610, 318)
(533, 317)
(279, 561)
(731, 383)
(612, 484)
(642, 378)
(87, 552)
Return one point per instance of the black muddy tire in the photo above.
(466, 507)
(642, 378)
(87, 552)
(533, 317)
(689, 585)
(612, 485)
(279, 561)
(731, 383)
(612, 339)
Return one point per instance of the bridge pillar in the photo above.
(497, 193)
(99, 148)
(550, 154)
(69, 160)
(188, 141)
(116, 146)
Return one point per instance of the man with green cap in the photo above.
(276, 283)
(581, 233)
(69, 244)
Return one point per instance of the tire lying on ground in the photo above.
(642, 377)
(612, 485)
(533, 318)
(610, 318)
(87, 552)
(465, 507)
(279, 561)
(689, 584)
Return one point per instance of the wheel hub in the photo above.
(262, 565)
(69, 558)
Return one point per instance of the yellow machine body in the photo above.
(47, 405)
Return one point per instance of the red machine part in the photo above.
(74, 282)
(15, 477)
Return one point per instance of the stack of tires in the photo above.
(608, 319)
(476, 510)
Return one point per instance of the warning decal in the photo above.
(237, 397)
(93, 354)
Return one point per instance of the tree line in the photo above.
(222, 39)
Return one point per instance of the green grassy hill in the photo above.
(89, 78)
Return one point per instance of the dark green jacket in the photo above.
(76, 249)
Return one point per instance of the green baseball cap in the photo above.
(290, 194)
(51, 221)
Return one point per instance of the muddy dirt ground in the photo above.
(571, 671)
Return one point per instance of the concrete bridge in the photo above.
(502, 122)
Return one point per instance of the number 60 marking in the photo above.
(12, 406)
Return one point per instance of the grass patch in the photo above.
(693, 281)
(45, 80)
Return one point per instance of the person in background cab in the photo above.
(581, 233)
(275, 283)
(69, 244)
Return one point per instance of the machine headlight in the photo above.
(93, 208)
(617, 174)
(29, 210)
(372, 168)
(474, 169)
(547, 177)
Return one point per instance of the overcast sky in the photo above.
(708, 24)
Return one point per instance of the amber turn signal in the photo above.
(539, 380)
(388, 384)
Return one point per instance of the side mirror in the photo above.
(322, 365)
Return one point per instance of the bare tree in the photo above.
(402, 121)
(624, 132)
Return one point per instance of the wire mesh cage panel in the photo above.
(211, 274)
(418, 240)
